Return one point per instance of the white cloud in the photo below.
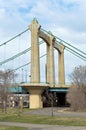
(65, 18)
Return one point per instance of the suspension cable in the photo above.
(15, 56)
(66, 43)
(19, 54)
(14, 37)
(73, 51)
(25, 51)
(27, 63)
(70, 45)
(75, 54)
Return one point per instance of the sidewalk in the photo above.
(56, 111)
(42, 127)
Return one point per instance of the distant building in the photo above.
(18, 94)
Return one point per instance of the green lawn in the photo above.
(12, 116)
(11, 128)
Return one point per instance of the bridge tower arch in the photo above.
(49, 39)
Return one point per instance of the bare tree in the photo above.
(77, 93)
(6, 80)
(49, 98)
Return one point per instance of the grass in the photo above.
(12, 116)
(11, 128)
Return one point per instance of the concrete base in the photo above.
(35, 99)
(35, 90)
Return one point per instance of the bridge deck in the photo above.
(44, 85)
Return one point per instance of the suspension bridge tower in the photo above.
(36, 88)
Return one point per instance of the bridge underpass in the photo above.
(60, 99)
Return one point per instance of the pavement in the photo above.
(56, 112)
(42, 127)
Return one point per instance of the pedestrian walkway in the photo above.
(56, 112)
(42, 127)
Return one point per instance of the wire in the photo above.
(72, 49)
(75, 54)
(19, 54)
(27, 63)
(15, 56)
(25, 51)
(70, 45)
(66, 43)
(14, 37)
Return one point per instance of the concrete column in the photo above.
(50, 63)
(35, 65)
(35, 99)
(61, 71)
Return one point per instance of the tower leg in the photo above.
(61, 72)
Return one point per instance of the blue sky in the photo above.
(60, 15)
(64, 18)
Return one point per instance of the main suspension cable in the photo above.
(62, 41)
(74, 52)
(14, 37)
(19, 54)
